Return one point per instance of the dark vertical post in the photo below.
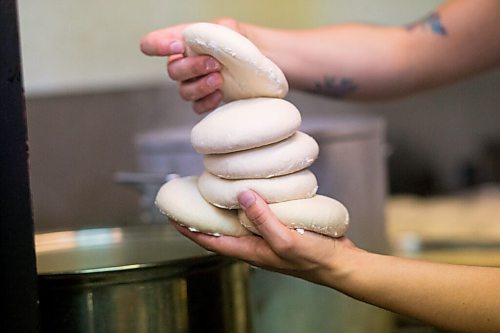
(18, 279)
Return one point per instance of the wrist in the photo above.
(342, 266)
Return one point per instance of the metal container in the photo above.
(160, 153)
(137, 279)
(351, 168)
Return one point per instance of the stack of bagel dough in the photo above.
(251, 142)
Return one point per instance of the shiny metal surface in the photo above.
(137, 279)
(351, 167)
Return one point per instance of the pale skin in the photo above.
(357, 61)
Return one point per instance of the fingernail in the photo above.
(213, 80)
(176, 47)
(216, 97)
(211, 65)
(246, 198)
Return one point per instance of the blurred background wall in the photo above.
(91, 45)
(90, 92)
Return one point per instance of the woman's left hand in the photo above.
(310, 256)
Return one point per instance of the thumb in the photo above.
(264, 220)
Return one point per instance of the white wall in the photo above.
(90, 45)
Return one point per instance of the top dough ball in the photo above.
(246, 71)
(245, 124)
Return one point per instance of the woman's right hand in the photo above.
(199, 77)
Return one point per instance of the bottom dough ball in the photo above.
(319, 214)
(181, 201)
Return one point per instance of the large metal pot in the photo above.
(351, 167)
(137, 279)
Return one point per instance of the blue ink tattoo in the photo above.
(335, 88)
(433, 22)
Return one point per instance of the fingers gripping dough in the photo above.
(284, 157)
(253, 142)
(246, 71)
(181, 201)
(319, 214)
(245, 124)
(224, 193)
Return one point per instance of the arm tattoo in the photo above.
(432, 22)
(334, 87)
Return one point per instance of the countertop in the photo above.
(462, 228)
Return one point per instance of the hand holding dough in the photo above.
(250, 143)
(246, 71)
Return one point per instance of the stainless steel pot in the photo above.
(160, 153)
(351, 167)
(137, 279)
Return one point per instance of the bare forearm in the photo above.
(366, 62)
(458, 298)
(337, 60)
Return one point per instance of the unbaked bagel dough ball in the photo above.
(319, 214)
(284, 157)
(223, 193)
(245, 124)
(181, 201)
(246, 71)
